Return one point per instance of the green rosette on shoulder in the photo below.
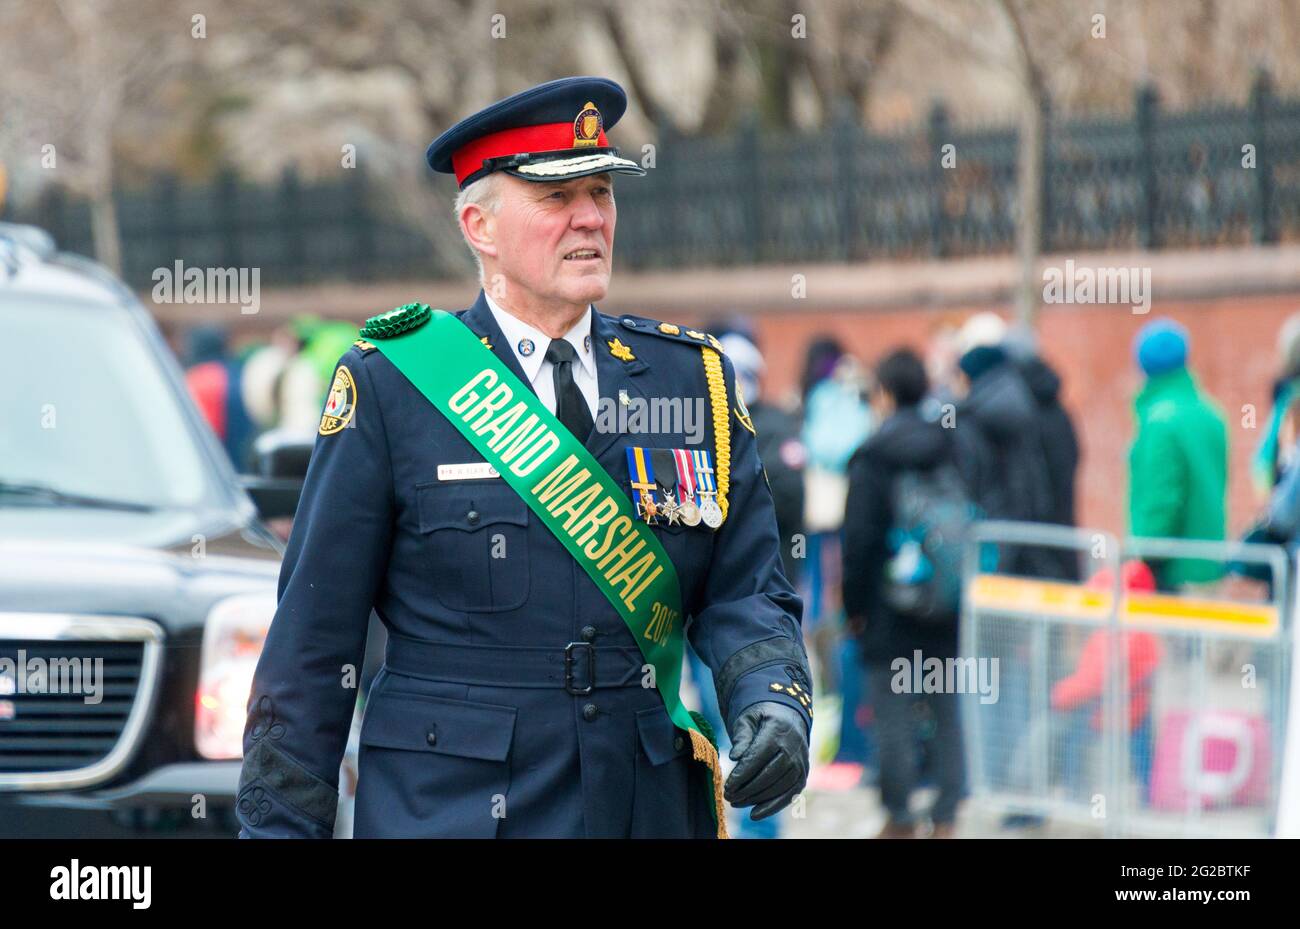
(395, 322)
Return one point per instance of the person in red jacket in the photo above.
(1080, 693)
(213, 377)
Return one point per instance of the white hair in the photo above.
(484, 193)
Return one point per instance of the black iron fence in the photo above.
(1153, 179)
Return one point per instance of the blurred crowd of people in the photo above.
(877, 470)
(978, 432)
(876, 475)
(277, 385)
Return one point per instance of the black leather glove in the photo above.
(770, 746)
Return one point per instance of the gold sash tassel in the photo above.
(702, 750)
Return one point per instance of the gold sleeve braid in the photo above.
(721, 424)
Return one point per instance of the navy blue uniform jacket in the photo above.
(469, 728)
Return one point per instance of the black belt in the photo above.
(578, 667)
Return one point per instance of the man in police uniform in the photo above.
(515, 699)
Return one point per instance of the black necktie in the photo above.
(570, 405)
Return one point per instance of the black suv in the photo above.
(137, 579)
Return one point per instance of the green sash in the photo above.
(571, 493)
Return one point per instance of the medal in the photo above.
(647, 509)
(671, 509)
(688, 508)
(710, 511)
(641, 469)
(665, 476)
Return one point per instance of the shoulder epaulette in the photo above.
(364, 346)
(670, 331)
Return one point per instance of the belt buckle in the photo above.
(568, 669)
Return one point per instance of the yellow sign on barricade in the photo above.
(1019, 595)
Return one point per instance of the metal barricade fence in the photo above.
(1126, 712)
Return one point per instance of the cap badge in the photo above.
(586, 127)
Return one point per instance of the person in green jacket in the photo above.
(1178, 465)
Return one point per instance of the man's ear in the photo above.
(479, 227)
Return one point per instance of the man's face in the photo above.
(556, 240)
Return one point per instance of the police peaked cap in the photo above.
(552, 132)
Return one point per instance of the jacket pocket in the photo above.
(478, 544)
(661, 741)
(431, 766)
(661, 803)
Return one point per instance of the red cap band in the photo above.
(548, 137)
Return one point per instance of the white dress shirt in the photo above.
(539, 371)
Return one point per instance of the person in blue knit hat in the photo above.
(1178, 464)
(1161, 347)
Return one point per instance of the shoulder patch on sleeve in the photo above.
(670, 331)
(342, 402)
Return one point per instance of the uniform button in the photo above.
(678, 744)
(473, 517)
(431, 737)
(589, 712)
(588, 633)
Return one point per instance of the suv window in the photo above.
(87, 410)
